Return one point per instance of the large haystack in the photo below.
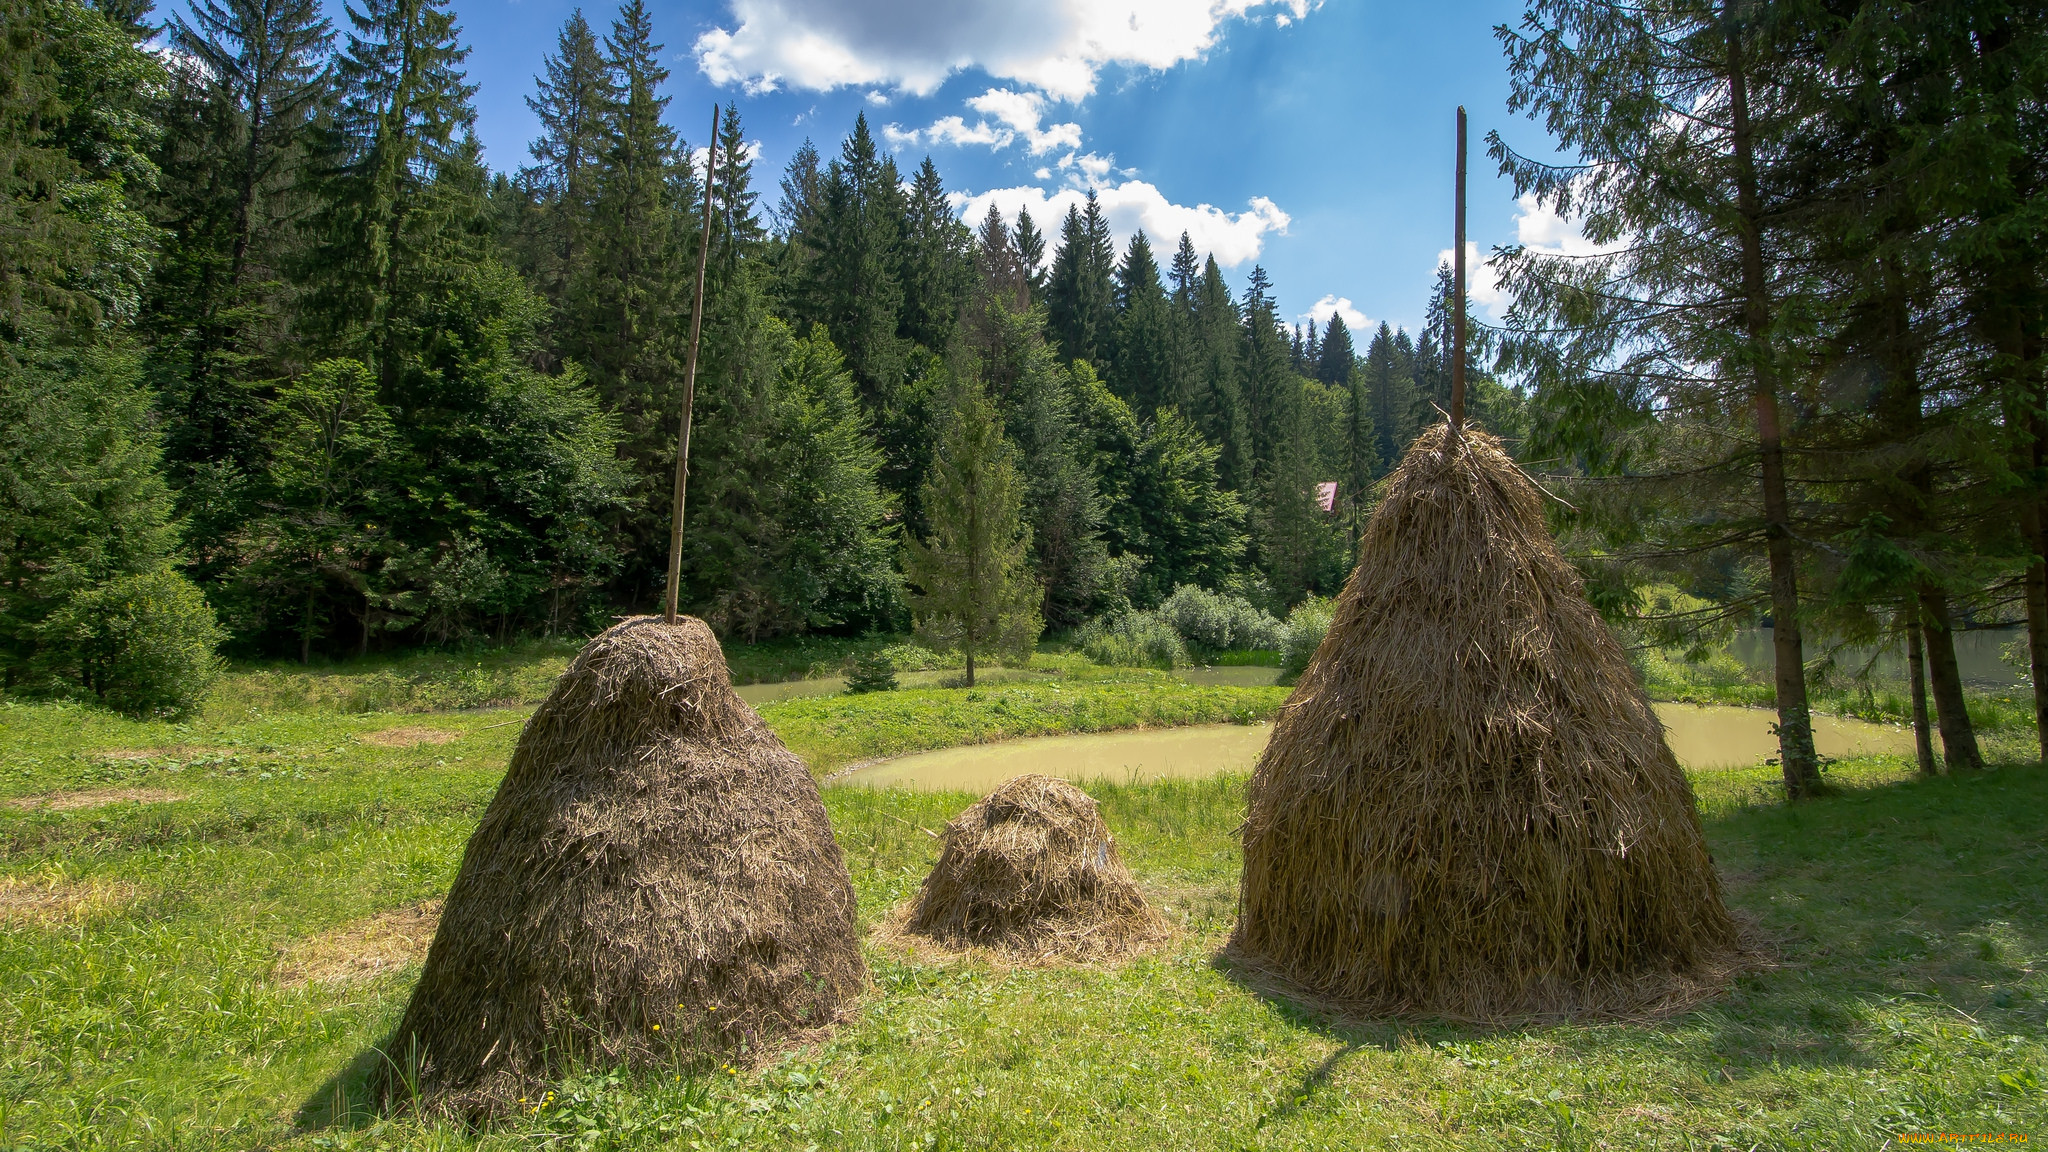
(655, 880)
(1032, 871)
(1467, 807)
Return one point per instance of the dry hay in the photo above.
(1032, 873)
(1467, 808)
(53, 901)
(655, 881)
(93, 798)
(364, 950)
(408, 737)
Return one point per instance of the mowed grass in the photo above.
(1906, 995)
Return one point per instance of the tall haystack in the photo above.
(1031, 870)
(1467, 807)
(655, 880)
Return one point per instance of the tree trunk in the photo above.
(970, 667)
(1916, 670)
(306, 632)
(1958, 739)
(1795, 717)
(2031, 524)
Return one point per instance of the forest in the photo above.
(275, 332)
(292, 373)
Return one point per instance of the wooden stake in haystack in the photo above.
(675, 528)
(1468, 808)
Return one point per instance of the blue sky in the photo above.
(1317, 135)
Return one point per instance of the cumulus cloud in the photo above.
(1055, 46)
(1134, 204)
(1334, 305)
(1006, 117)
(750, 149)
(1538, 229)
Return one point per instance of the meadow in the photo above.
(210, 926)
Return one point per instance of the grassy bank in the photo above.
(146, 1005)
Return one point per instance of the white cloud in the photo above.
(1134, 204)
(1006, 116)
(1334, 305)
(1480, 282)
(1538, 229)
(1055, 46)
(751, 150)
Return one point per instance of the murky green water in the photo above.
(1702, 738)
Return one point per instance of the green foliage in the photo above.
(142, 645)
(83, 503)
(1211, 622)
(975, 593)
(1306, 626)
(1133, 639)
(870, 671)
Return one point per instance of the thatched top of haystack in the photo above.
(1467, 807)
(1032, 872)
(655, 677)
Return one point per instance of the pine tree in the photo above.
(1220, 410)
(935, 262)
(573, 101)
(627, 311)
(850, 279)
(1030, 244)
(975, 593)
(1672, 153)
(1142, 372)
(1389, 395)
(236, 131)
(1080, 291)
(1333, 360)
(1266, 368)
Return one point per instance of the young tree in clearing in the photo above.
(977, 593)
(1679, 117)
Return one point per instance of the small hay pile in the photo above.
(1467, 807)
(1032, 871)
(654, 881)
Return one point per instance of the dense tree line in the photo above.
(272, 330)
(1803, 374)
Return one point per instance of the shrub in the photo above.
(1133, 639)
(1303, 633)
(142, 645)
(1218, 622)
(870, 672)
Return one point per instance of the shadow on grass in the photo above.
(1907, 901)
(343, 1101)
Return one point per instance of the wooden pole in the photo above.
(1458, 291)
(675, 528)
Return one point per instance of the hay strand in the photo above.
(655, 881)
(1032, 872)
(1468, 808)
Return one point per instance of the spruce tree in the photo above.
(934, 260)
(386, 225)
(1333, 360)
(628, 308)
(1030, 243)
(573, 100)
(1142, 371)
(850, 278)
(1676, 119)
(974, 592)
(1219, 408)
(1391, 404)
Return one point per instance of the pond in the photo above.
(1702, 737)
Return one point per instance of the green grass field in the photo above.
(151, 942)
